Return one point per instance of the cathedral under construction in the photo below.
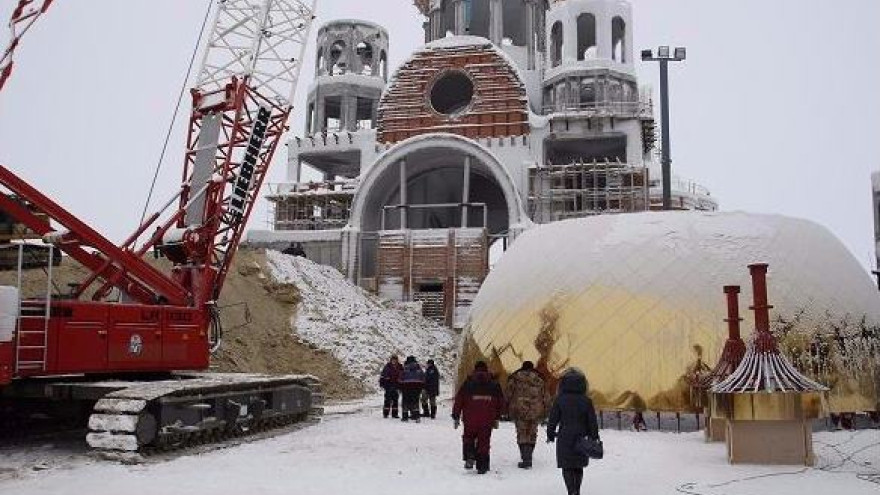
(514, 113)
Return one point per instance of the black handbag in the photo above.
(587, 447)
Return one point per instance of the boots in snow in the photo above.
(482, 464)
(433, 412)
(526, 450)
(468, 454)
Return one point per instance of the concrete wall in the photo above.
(324, 247)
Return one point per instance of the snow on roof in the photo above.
(639, 294)
(358, 328)
(457, 41)
(353, 78)
(712, 248)
(337, 22)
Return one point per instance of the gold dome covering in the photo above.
(636, 302)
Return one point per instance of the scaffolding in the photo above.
(583, 189)
(313, 206)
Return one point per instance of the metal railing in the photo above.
(348, 186)
(629, 108)
(462, 206)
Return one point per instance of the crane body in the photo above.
(131, 339)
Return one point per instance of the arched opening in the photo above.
(588, 92)
(365, 113)
(446, 188)
(586, 36)
(540, 31)
(447, 19)
(364, 52)
(442, 206)
(383, 65)
(336, 63)
(514, 19)
(443, 201)
(332, 114)
(477, 17)
(420, 158)
(435, 191)
(556, 44)
(618, 39)
(310, 119)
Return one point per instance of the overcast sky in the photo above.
(777, 109)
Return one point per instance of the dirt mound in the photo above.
(267, 343)
(256, 313)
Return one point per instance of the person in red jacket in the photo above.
(478, 403)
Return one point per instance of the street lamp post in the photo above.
(664, 57)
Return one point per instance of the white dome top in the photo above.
(636, 294)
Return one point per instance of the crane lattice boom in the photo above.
(23, 18)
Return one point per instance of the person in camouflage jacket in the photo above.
(527, 408)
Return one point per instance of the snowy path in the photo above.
(357, 452)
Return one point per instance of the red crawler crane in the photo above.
(128, 317)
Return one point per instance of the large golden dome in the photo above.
(636, 301)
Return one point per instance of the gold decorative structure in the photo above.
(731, 356)
(768, 404)
(635, 294)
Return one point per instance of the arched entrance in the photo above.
(423, 219)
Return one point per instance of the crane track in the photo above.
(210, 441)
(198, 413)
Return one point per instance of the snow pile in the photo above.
(358, 328)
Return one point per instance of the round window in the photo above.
(452, 92)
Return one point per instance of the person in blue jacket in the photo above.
(412, 381)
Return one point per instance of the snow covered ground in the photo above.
(358, 328)
(355, 451)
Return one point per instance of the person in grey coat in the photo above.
(575, 417)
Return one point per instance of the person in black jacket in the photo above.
(431, 390)
(389, 380)
(573, 413)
